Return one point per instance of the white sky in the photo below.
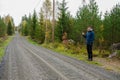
(18, 8)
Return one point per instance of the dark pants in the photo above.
(89, 50)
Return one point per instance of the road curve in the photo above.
(24, 61)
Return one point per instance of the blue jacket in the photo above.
(89, 37)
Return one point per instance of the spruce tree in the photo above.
(63, 24)
(2, 28)
(9, 28)
(40, 30)
(33, 25)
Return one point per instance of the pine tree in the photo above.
(107, 29)
(88, 15)
(81, 23)
(112, 26)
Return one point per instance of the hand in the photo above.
(83, 33)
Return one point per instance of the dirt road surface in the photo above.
(24, 61)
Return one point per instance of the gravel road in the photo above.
(24, 61)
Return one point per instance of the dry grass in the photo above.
(109, 64)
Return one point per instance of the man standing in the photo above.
(89, 36)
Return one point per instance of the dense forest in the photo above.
(6, 27)
(40, 27)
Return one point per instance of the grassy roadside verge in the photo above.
(81, 55)
(62, 50)
(3, 45)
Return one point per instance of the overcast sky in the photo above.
(18, 8)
